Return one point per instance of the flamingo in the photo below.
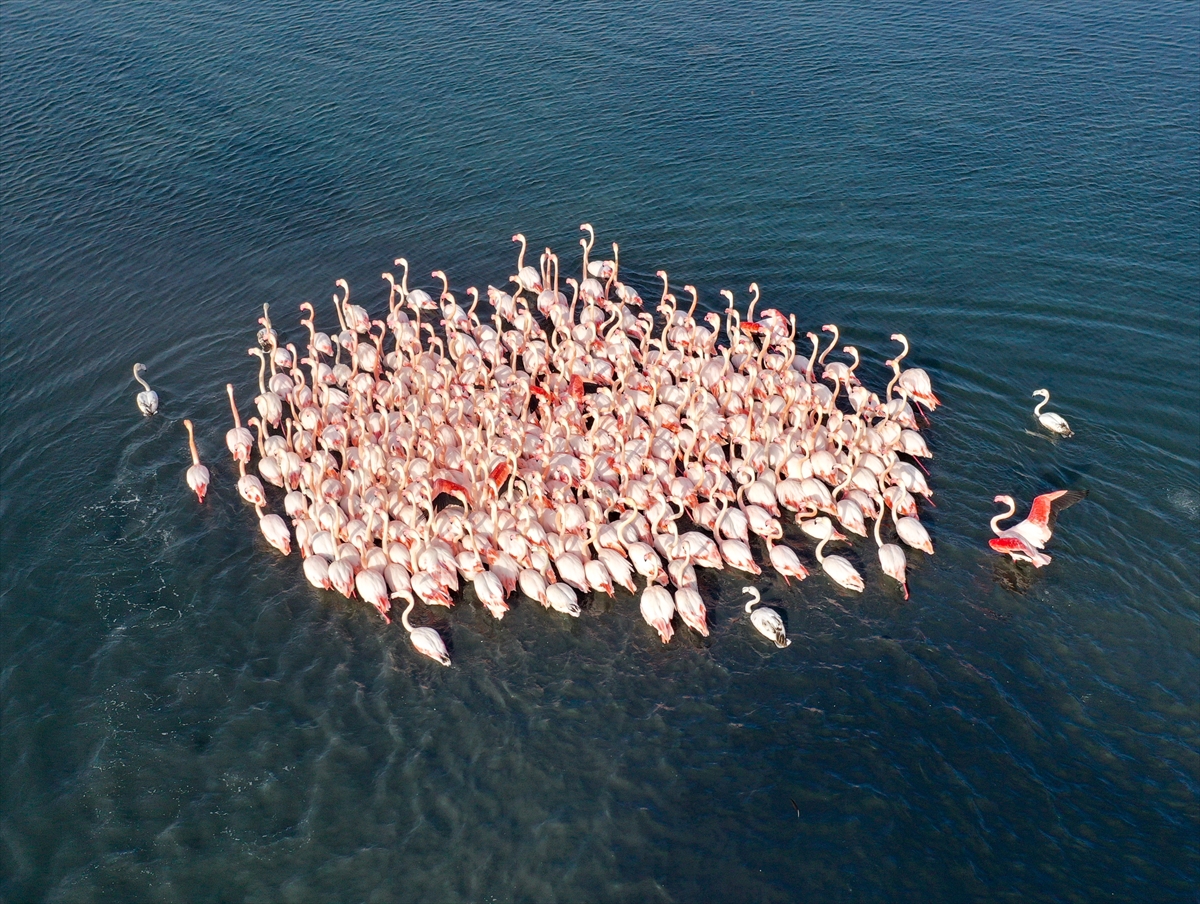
(197, 474)
(1055, 423)
(657, 608)
(913, 533)
(533, 584)
(275, 530)
(1012, 543)
(250, 488)
(785, 561)
(316, 570)
(147, 399)
(891, 557)
(491, 593)
(691, 609)
(426, 641)
(527, 278)
(267, 337)
(840, 570)
(766, 621)
(239, 440)
(915, 380)
(1039, 526)
(561, 598)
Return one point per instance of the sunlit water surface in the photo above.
(1013, 186)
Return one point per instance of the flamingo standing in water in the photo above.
(766, 621)
(1010, 542)
(239, 440)
(1055, 423)
(197, 474)
(839, 569)
(914, 380)
(527, 277)
(891, 556)
(147, 399)
(426, 641)
(275, 530)
(657, 609)
(1039, 526)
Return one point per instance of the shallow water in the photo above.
(1015, 188)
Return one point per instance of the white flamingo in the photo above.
(1055, 423)
(147, 399)
(766, 621)
(426, 641)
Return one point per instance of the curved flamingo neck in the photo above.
(587, 246)
(402, 262)
(1004, 516)
(756, 598)
(519, 237)
(337, 306)
(832, 328)
(1037, 411)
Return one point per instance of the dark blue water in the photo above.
(1015, 187)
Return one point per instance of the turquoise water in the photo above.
(1015, 188)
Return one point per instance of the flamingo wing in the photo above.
(1047, 506)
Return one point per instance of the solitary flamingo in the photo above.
(1055, 423)
(147, 399)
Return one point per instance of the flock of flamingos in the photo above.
(564, 445)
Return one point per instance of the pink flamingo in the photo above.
(197, 474)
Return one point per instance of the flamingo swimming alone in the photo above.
(147, 399)
(1055, 423)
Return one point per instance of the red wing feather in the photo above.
(1047, 506)
(441, 485)
(1040, 512)
(1008, 544)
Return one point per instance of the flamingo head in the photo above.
(1003, 500)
